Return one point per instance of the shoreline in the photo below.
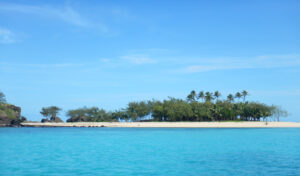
(167, 124)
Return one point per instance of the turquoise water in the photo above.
(149, 151)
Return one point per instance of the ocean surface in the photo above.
(149, 151)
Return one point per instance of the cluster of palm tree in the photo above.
(210, 96)
(202, 106)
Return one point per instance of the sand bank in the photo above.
(169, 124)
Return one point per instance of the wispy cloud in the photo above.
(265, 61)
(66, 14)
(120, 12)
(7, 36)
(58, 65)
(95, 65)
(138, 59)
(128, 60)
(203, 68)
(11, 66)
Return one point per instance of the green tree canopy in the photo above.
(92, 114)
(174, 109)
(50, 112)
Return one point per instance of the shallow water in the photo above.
(149, 151)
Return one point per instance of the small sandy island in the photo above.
(168, 124)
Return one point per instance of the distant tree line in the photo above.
(202, 106)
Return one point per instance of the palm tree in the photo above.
(208, 96)
(191, 96)
(230, 98)
(201, 95)
(217, 94)
(244, 94)
(238, 95)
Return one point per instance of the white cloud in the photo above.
(58, 65)
(9, 65)
(127, 60)
(203, 68)
(266, 61)
(6, 36)
(66, 14)
(120, 12)
(105, 60)
(138, 59)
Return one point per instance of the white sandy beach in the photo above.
(169, 124)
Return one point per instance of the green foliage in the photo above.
(137, 110)
(192, 96)
(92, 114)
(120, 115)
(208, 97)
(230, 98)
(157, 110)
(50, 112)
(238, 95)
(177, 110)
(173, 109)
(10, 114)
(217, 94)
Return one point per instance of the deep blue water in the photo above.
(149, 151)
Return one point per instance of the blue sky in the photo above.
(107, 53)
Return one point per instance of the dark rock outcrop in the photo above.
(78, 119)
(45, 120)
(10, 115)
(55, 120)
